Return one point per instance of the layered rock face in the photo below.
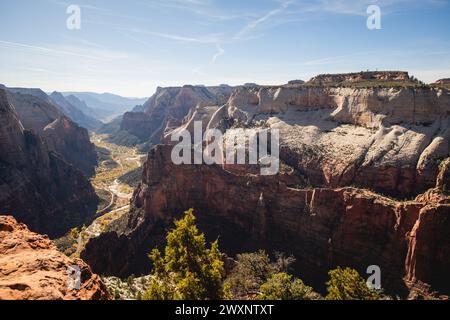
(37, 186)
(169, 106)
(400, 77)
(392, 140)
(72, 142)
(31, 268)
(34, 107)
(38, 113)
(323, 228)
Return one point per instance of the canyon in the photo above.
(364, 176)
(364, 182)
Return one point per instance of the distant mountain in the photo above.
(75, 113)
(167, 108)
(81, 105)
(106, 106)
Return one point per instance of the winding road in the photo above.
(95, 229)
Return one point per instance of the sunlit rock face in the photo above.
(323, 228)
(39, 114)
(347, 148)
(33, 269)
(390, 140)
(168, 107)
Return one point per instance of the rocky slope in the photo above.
(37, 186)
(391, 139)
(74, 113)
(72, 142)
(103, 106)
(39, 114)
(31, 268)
(323, 228)
(35, 109)
(168, 107)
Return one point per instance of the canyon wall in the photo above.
(390, 140)
(344, 147)
(168, 107)
(39, 114)
(37, 186)
(323, 228)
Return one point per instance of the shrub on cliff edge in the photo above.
(347, 284)
(283, 286)
(188, 270)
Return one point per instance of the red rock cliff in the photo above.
(38, 186)
(31, 268)
(323, 228)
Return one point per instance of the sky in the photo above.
(131, 47)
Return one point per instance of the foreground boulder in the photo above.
(31, 268)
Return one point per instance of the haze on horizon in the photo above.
(130, 48)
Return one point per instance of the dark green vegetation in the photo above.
(190, 270)
(347, 284)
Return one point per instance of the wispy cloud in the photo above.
(203, 9)
(44, 50)
(220, 51)
(67, 51)
(253, 24)
(207, 39)
(359, 7)
(333, 60)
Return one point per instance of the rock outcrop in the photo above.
(40, 115)
(37, 186)
(31, 268)
(72, 142)
(34, 107)
(443, 182)
(392, 140)
(323, 228)
(378, 77)
(170, 106)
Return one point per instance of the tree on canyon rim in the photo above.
(347, 284)
(188, 270)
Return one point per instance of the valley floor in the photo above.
(114, 162)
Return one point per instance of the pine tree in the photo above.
(283, 286)
(188, 270)
(347, 284)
